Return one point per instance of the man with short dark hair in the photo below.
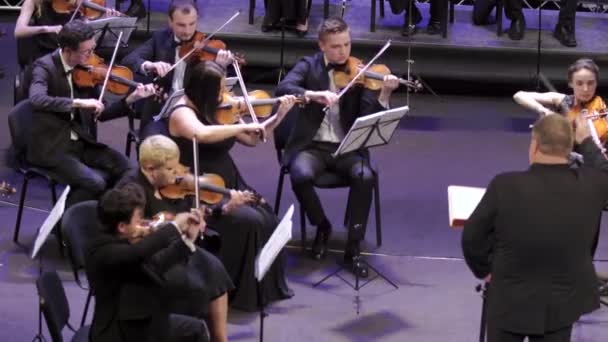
(317, 134)
(157, 55)
(533, 235)
(63, 133)
(125, 264)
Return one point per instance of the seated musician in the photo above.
(39, 20)
(125, 264)
(63, 132)
(202, 290)
(243, 228)
(583, 76)
(317, 135)
(414, 17)
(159, 53)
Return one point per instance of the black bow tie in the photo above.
(335, 66)
(69, 72)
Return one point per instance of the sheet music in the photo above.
(387, 121)
(267, 255)
(115, 25)
(462, 201)
(50, 221)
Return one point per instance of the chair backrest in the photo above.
(19, 123)
(53, 303)
(79, 224)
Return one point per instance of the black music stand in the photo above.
(483, 289)
(267, 256)
(108, 30)
(43, 233)
(367, 131)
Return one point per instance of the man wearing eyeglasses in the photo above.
(63, 130)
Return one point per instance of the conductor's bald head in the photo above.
(552, 137)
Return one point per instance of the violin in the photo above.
(212, 188)
(208, 51)
(595, 111)
(371, 78)
(233, 108)
(91, 9)
(120, 81)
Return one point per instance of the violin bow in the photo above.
(76, 10)
(197, 198)
(105, 81)
(361, 71)
(207, 38)
(254, 118)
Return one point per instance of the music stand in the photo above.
(367, 131)
(107, 30)
(43, 233)
(265, 258)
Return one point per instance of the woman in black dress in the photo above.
(245, 227)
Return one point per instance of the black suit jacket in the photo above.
(535, 232)
(49, 94)
(310, 73)
(159, 48)
(131, 303)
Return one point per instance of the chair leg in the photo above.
(451, 15)
(372, 17)
(251, 10)
(377, 211)
(302, 228)
(325, 9)
(86, 308)
(381, 8)
(128, 146)
(347, 213)
(26, 180)
(279, 193)
(499, 18)
(444, 18)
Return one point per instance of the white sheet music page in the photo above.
(50, 221)
(281, 235)
(462, 201)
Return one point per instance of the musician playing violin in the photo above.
(583, 77)
(156, 56)
(244, 228)
(316, 134)
(40, 21)
(204, 293)
(63, 132)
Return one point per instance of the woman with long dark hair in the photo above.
(244, 227)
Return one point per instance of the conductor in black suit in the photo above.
(533, 237)
(63, 133)
(125, 266)
(316, 135)
(157, 55)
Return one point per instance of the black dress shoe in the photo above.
(137, 10)
(434, 27)
(319, 245)
(302, 29)
(410, 29)
(517, 29)
(565, 35)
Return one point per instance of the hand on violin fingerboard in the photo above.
(141, 92)
(224, 58)
(93, 104)
(159, 68)
(582, 130)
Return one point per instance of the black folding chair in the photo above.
(327, 180)
(79, 224)
(55, 308)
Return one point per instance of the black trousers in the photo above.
(567, 12)
(498, 335)
(79, 169)
(316, 159)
